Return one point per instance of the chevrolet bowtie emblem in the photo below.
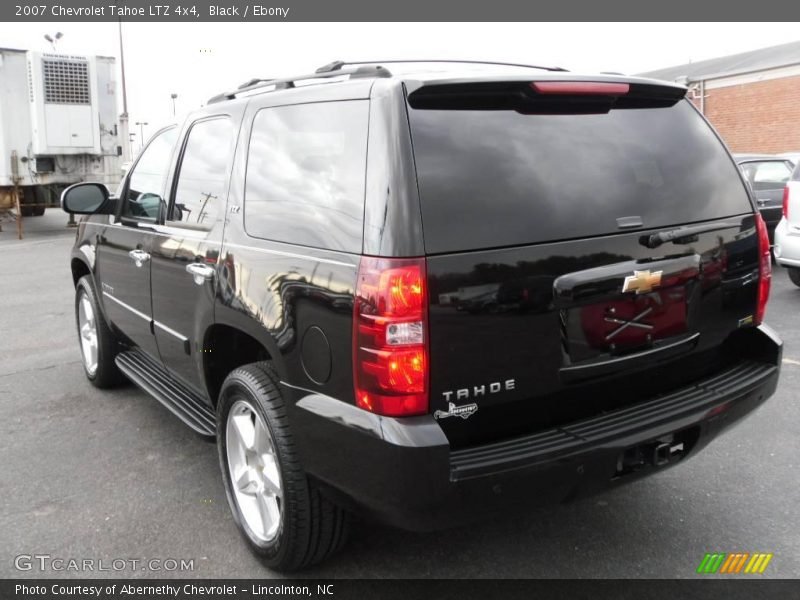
(641, 282)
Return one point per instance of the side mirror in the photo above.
(84, 198)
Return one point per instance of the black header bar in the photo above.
(394, 10)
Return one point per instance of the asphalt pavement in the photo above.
(105, 475)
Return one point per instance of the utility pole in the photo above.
(123, 118)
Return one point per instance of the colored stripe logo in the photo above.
(734, 563)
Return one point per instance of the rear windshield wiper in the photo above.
(682, 235)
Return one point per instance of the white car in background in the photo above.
(787, 232)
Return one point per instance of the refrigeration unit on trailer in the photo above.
(58, 126)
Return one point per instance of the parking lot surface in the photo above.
(104, 475)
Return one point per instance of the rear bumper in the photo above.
(787, 245)
(402, 471)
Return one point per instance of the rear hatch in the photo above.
(588, 247)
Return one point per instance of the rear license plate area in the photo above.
(624, 325)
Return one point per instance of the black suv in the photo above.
(422, 294)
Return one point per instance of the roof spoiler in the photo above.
(545, 96)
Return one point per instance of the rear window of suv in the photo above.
(494, 178)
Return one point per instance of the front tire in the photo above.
(98, 344)
(283, 516)
(794, 275)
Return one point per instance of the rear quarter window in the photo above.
(494, 178)
(306, 174)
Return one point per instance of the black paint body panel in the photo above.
(523, 323)
(495, 315)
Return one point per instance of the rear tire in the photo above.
(98, 344)
(794, 275)
(285, 519)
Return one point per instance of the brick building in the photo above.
(753, 98)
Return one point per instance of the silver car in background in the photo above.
(787, 233)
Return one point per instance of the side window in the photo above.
(771, 174)
(144, 198)
(305, 174)
(203, 174)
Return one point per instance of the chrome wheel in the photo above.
(87, 330)
(255, 474)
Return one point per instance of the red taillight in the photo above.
(786, 202)
(390, 330)
(581, 88)
(764, 269)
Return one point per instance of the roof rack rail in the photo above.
(252, 82)
(289, 82)
(338, 64)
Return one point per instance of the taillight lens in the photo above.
(786, 202)
(764, 269)
(390, 347)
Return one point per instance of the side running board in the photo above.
(156, 381)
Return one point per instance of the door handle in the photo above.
(139, 257)
(200, 272)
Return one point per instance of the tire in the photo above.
(38, 211)
(100, 369)
(794, 275)
(308, 527)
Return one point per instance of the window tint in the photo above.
(305, 174)
(144, 198)
(203, 177)
(499, 177)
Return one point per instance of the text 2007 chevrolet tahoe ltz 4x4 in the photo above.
(424, 294)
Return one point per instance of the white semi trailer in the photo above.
(58, 126)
